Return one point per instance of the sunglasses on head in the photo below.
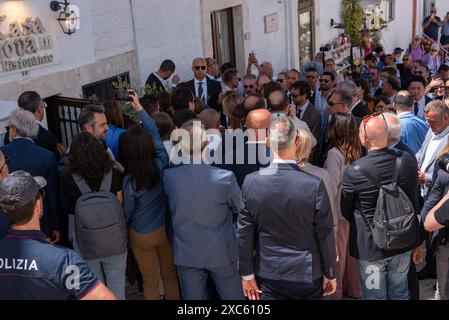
(200, 68)
(367, 118)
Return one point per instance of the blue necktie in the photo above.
(416, 108)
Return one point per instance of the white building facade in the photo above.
(132, 37)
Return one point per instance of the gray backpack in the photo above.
(100, 227)
(395, 225)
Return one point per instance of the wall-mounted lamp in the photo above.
(67, 19)
(336, 25)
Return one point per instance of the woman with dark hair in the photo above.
(363, 92)
(90, 160)
(144, 158)
(114, 116)
(345, 134)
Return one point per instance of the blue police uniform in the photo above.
(33, 268)
(4, 225)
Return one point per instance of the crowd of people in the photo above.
(298, 185)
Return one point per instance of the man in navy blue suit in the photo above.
(32, 101)
(24, 154)
(290, 231)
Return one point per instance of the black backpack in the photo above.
(395, 225)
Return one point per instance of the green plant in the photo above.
(127, 109)
(352, 17)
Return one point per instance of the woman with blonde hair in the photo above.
(230, 103)
(345, 134)
(305, 149)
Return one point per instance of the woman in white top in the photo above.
(348, 149)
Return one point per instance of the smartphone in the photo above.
(123, 95)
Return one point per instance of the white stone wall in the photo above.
(112, 27)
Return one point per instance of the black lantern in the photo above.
(67, 19)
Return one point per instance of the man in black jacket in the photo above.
(32, 101)
(383, 274)
(202, 87)
(158, 79)
(290, 231)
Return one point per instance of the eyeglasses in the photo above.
(296, 95)
(200, 68)
(433, 50)
(280, 80)
(5, 163)
(249, 87)
(324, 81)
(406, 59)
(419, 73)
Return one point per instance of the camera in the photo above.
(123, 95)
(444, 162)
(325, 48)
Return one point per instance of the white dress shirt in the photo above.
(422, 105)
(204, 86)
(164, 82)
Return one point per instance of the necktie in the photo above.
(299, 113)
(201, 92)
(416, 108)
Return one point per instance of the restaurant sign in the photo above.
(24, 46)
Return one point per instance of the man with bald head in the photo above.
(249, 152)
(204, 88)
(383, 273)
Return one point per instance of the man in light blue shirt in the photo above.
(414, 129)
(445, 31)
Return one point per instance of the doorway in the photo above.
(306, 24)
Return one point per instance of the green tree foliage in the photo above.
(353, 19)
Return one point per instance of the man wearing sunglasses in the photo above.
(417, 88)
(203, 87)
(375, 82)
(249, 84)
(431, 24)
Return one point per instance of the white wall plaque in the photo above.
(271, 23)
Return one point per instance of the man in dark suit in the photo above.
(417, 88)
(305, 111)
(203, 201)
(32, 101)
(290, 232)
(358, 108)
(203, 87)
(246, 152)
(25, 155)
(383, 274)
(158, 79)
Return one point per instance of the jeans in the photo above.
(194, 283)
(442, 271)
(385, 279)
(112, 272)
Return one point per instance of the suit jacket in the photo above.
(420, 156)
(25, 155)
(202, 201)
(313, 119)
(154, 81)
(243, 158)
(44, 139)
(213, 92)
(360, 194)
(360, 110)
(291, 232)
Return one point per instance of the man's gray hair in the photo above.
(24, 122)
(250, 77)
(403, 100)
(282, 133)
(394, 127)
(437, 106)
(349, 86)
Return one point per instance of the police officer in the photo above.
(30, 266)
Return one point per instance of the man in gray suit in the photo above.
(203, 201)
(286, 219)
(437, 116)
